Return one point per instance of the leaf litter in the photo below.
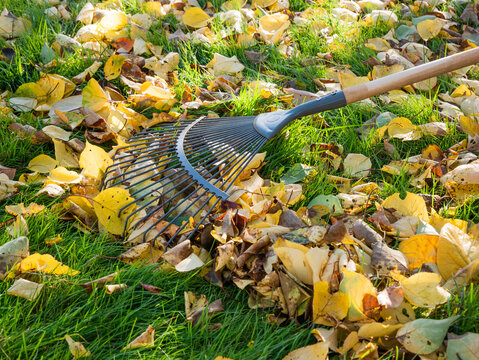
(358, 280)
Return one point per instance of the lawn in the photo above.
(298, 65)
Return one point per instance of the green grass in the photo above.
(106, 323)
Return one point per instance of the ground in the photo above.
(106, 323)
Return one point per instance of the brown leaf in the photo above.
(36, 137)
(178, 253)
(8, 171)
(151, 288)
(99, 283)
(99, 137)
(252, 250)
(123, 43)
(385, 258)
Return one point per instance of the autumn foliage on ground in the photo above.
(367, 267)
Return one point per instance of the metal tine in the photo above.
(158, 165)
(224, 148)
(212, 207)
(221, 128)
(156, 208)
(148, 166)
(164, 151)
(161, 128)
(238, 172)
(220, 161)
(162, 185)
(240, 168)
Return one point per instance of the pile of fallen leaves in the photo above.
(360, 278)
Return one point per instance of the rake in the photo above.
(177, 173)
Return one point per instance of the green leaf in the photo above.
(463, 347)
(297, 173)
(423, 336)
(47, 54)
(329, 201)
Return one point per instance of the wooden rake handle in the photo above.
(411, 76)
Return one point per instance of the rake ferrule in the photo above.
(269, 124)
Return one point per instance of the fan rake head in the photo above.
(181, 171)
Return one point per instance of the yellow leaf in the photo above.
(64, 154)
(356, 286)
(154, 8)
(93, 96)
(293, 257)
(357, 165)
(412, 205)
(76, 348)
(196, 18)
(264, 3)
(461, 192)
(113, 20)
(222, 65)
(380, 71)
(20, 209)
(113, 66)
(420, 249)
(438, 222)
(60, 175)
(144, 252)
(461, 90)
(318, 351)
(44, 263)
(94, 161)
(31, 90)
(107, 206)
(348, 80)
(422, 289)
(11, 26)
(376, 329)
(328, 306)
(54, 88)
(145, 339)
(42, 164)
(377, 44)
(428, 29)
(55, 240)
(272, 27)
(468, 125)
(402, 128)
(452, 249)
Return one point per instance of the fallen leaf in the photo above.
(357, 165)
(42, 164)
(107, 206)
(411, 205)
(111, 289)
(423, 336)
(428, 29)
(357, 286)
(26, 289)
(113, 66)
(94, 161)
(461, 347)
(12, 252)
(318, 351)
(419, 250)
(44, 263)
(76, 348)
(422, 289)
(145, 339)
(196, 18)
